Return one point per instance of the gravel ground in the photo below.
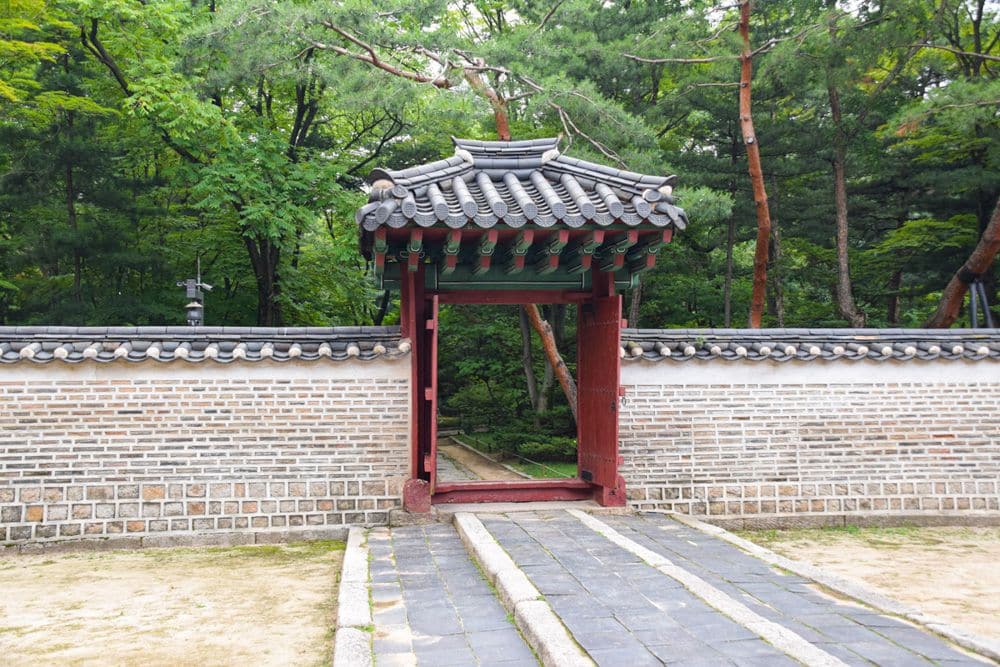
(260, 605)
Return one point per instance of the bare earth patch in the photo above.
(950, 573)
(261, 605)
(479, 465)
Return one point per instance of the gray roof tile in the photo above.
(551, 186)
(39, 344)
(809, 344)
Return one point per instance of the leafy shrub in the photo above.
(448, 421)
(551, 448)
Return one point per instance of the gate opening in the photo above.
(502, 414)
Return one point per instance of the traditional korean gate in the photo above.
(515, 222)
(598, 393)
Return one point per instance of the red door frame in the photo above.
(598, 390)
(597, 429)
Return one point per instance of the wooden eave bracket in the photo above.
(452, 246)
(642, 257)
(548, 260)
(487, 246)
(580, 256)
(414, 248)
(612, 256)
(380, 247)
(519, 251)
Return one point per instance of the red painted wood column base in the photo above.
(417, 496)
(611, 497)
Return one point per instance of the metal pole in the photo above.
(973, 305)
(987, 315)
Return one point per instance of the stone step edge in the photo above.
(536, 620)
(849, 588)
(783, 639)
(353, 639)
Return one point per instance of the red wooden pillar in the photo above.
(598, 368)
(413, 314)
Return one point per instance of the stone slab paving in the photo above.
(624, 612)
(855, 634)
(431, 605)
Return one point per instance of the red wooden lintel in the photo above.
(513, 297)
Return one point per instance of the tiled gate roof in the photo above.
(518, 183)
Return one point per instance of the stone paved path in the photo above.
(852, 633)
(622, 611)
(432, 605)
(450, 470)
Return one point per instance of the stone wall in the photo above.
(738, 439)
(155, 451)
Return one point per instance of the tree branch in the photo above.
(682, 61)
(971, 54)
(94, 45)
(548, 15)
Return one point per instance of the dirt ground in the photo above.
(950, 573)
(479, 465)
(260, 605)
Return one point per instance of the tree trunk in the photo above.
(756, 174)
(552, 354)
(264, 257)
(556, 314)
(383, 308)
(71, 218)
(526, 361)
(893, 306)
(979, 262)
(635, 303)
(727, 285)
(845, 295)
(776, 295)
